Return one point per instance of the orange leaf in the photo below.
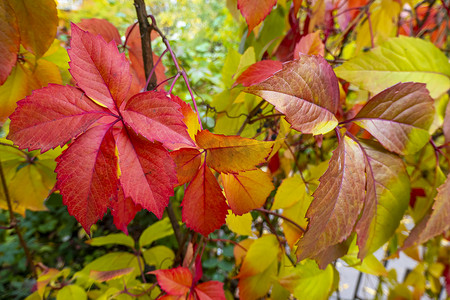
(175, 282)
(247, 190)
(231, 154)
(37, 29)
(10, 40)
(310, 44)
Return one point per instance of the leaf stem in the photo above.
(281, 216)
(153, 71)
(177, 66)
(252, 113)
(13, 221)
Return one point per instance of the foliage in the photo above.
(329, 139)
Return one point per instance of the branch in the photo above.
(281, 216)
(147, 54)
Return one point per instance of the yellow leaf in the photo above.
(291, 191)
(241, 225)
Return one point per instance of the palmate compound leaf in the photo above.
(399, 117)
(337, 201)
(90, 172)
(204, 206)
(255, 12)
(397, 60)
(435, 223)
(387, 197)
(306, 91)
(101, 27)
(232, 154)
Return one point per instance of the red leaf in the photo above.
(255, 12)
(258, 72)
(175, 282)
(87, 175)
(123, 211)
(99, 69)
(155, 116)
(306, 91)
(337, 201)
(10, 38)
(204, 206)
(210, 290)
(64, 113)
(147, 172)
(188, 161)
(101, 27)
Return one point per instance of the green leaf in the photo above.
(307, 281)
(387, 198)
(155, 232)
(113, 238)
(71, 292)
(159, 256)
(110, 262)
(399, 117)
(397, 60)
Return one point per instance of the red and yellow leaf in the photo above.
(399, 117)
(231, 154)
(306, 91)
(88, 188)
(337, 201)
(255, 12)
(66, 113)
(247, 190)
(99, 69)
(204, 206)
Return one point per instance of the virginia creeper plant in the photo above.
(331, 141)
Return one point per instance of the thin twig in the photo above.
(13, 221)
(281, 216)
(228, 241)
(153, 71)
(250, 115)
(298, 167)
